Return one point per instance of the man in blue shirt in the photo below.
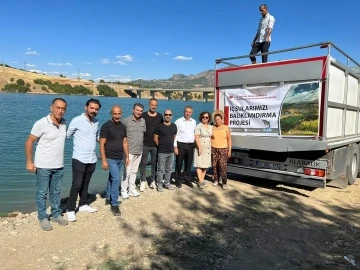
(84, 129)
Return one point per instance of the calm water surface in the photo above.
(20, 111)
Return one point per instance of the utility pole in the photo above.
(25, 65)
(79, 74)
(3, 64)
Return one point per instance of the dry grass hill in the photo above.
(205, 79)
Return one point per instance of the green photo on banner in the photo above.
(300, 110)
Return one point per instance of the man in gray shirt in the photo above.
(49, 132)
(135, 129)
(262, 39)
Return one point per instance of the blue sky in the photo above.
(153, 39)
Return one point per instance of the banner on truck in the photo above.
(291, 109)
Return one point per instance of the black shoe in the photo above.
(115, 210)
(189, 184)
(178, 184)
(107, 202)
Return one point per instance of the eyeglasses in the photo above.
(168, 114)
(205, 117)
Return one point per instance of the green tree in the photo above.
(101, 81)
(20, 82)
(12, 79)
(106, 90)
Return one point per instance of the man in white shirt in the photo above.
(262, 39)
(49, 132)
(184, 147)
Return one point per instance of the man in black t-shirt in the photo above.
(152, 119)
(164, 136)
(114, 149)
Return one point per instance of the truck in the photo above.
(293, 120)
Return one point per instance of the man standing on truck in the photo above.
(262, 39)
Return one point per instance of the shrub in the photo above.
(20, 82)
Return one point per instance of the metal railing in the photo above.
(327, 45)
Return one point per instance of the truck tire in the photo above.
(352, 169)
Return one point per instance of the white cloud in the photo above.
(105, 61)
(127, 58)
(82, 74)
(154, 59)
(30, 65)
(31, 52)
(98, 79)
(68, 64)
(183, 58)
(28, 49)
(14, 62)
(55, 64)
(157, 53)
(53, 72)
(120, 78)
(119, 63)
(167, 53)
(36, 70)
(88, 63)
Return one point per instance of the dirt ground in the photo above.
(255, 224)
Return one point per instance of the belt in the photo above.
(186, 143)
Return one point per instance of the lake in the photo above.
(20, 111)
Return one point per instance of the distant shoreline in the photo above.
(46, 93)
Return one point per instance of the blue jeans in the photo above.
(113, 184)
(48, 179)
(164, 166)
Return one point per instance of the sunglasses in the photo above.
(168, 114)
(205, 117)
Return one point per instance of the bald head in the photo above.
(116, 113)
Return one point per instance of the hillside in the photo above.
(204, 79)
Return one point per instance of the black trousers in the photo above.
(262, 47)
(186, 154)
(82, 173)
(144, 161)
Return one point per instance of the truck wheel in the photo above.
(352, 169)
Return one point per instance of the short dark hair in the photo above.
(218, 114)
(264, 5)
(139, 105)
(60, 99)
(152, 99)
(188, 107)
(93, 100)
(202, 114)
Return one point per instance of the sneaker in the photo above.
(142, 186)
(115, 210)
(215, 183)
(60, 220)
(124, 195)
(178, 184)
(45, 225)
(189, 184)
(71, 216)
(107, 201)
(134, 193)
(160, 188)
(202, 185)
(169, 186)
(224, 186)
(152, 185)
(87, 209)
